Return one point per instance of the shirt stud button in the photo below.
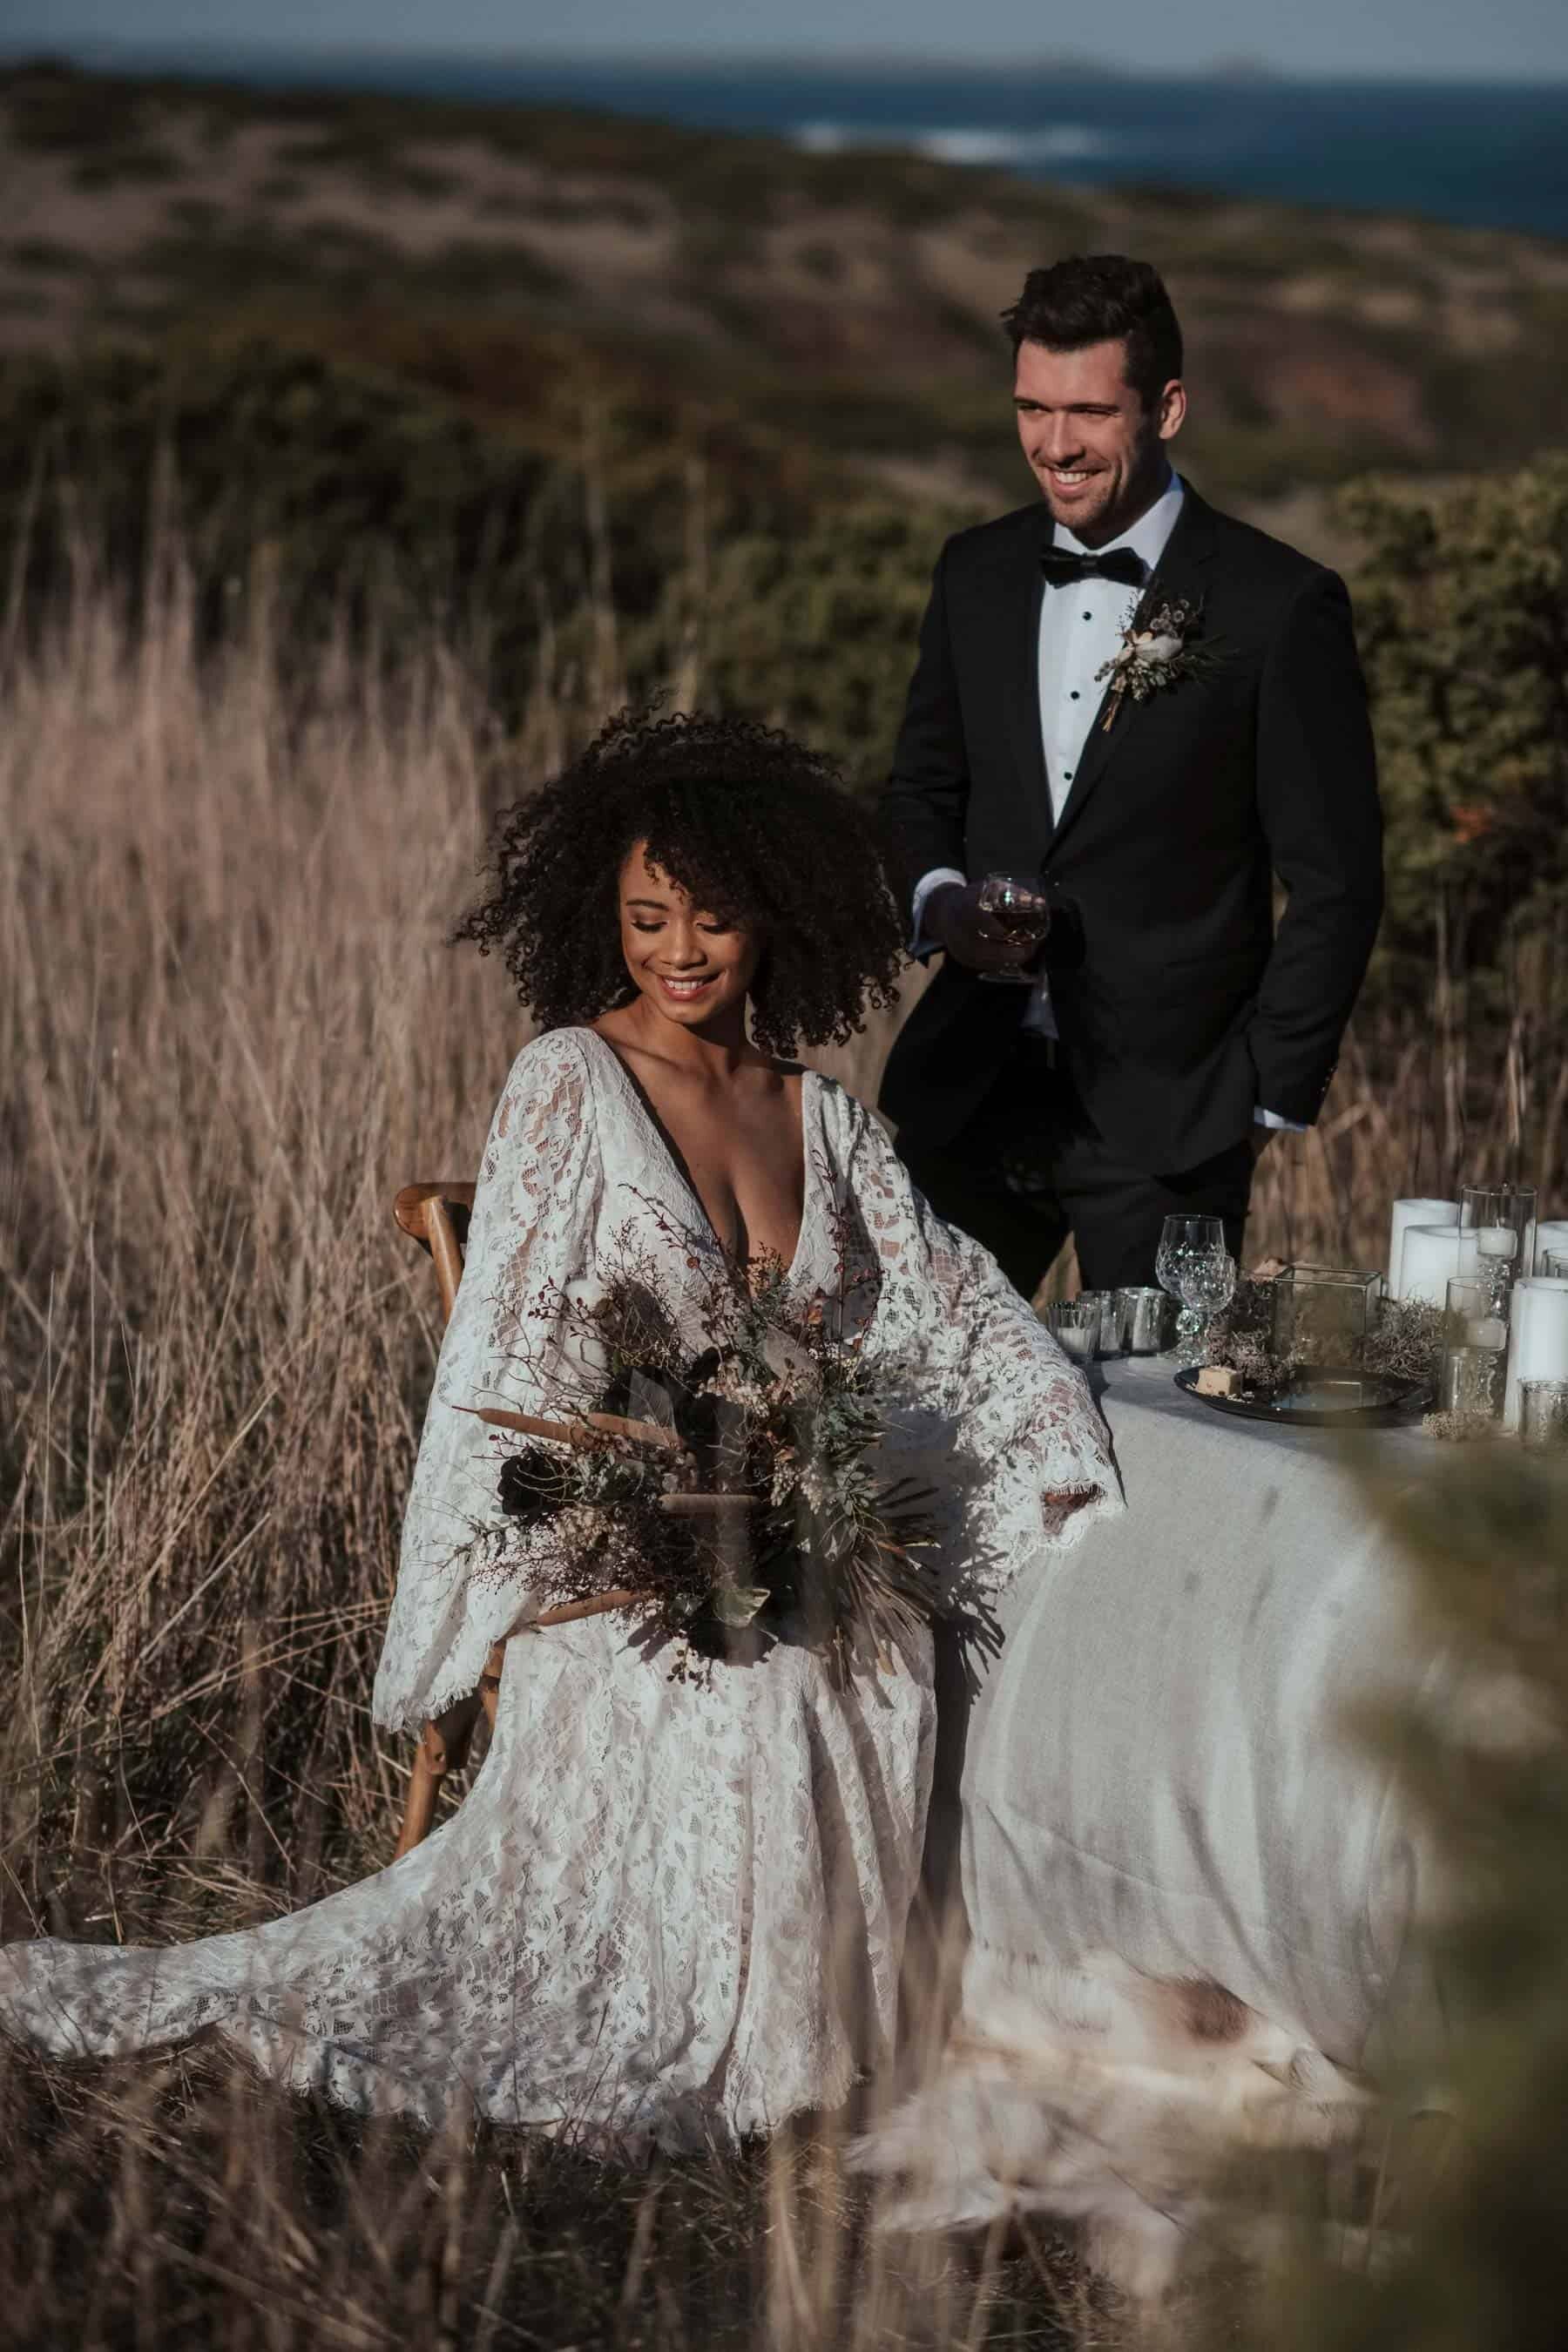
(1074, 695)
(1088, 617)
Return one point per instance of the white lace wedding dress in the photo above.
(665, 1911)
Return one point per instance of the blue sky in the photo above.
(1505, 39)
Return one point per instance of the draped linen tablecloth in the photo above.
(1158, 1767)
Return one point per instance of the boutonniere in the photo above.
(1159, 647)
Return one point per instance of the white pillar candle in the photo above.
(1551, 1234)
(1496, 1241)
(1431, 1257)
(1537, 1339)
(1414, 1213)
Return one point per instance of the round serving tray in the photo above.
(1325, 1399)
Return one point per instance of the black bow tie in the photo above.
(1062, 567)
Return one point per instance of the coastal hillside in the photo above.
(840, 308)
(606, 407)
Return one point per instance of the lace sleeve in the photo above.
(977, 1361)
(531, 1230)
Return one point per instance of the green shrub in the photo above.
(340, 485)
(819, 633)
(1462, 614)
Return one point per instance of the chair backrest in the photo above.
(437, 1217)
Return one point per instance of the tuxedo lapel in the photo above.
(1179, 573)
(1019, 640)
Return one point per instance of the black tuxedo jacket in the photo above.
(1179, 1008)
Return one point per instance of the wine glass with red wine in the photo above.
(1023, 910)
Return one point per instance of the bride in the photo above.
(669, 1910)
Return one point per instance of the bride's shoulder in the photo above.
(550, 1073)
(845, 1116)
(554, 1053)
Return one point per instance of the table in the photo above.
(1158, 1767)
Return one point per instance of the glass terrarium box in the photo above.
(1322, 1314)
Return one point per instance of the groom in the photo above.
(1169, 1027)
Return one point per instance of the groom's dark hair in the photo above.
(1102, 298)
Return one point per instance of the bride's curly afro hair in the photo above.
(757, 830)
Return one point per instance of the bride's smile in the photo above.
(684, 959)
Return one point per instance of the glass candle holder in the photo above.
(1075, 1323)
(1544, 1413)
(1492, 1212)
(1322, 1314)
(1475, 1349)
(1109, 1343)
(1554, 1265)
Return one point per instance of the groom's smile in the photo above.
(1096, 451)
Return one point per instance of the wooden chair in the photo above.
(437, 1217)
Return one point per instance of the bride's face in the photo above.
(688, 966)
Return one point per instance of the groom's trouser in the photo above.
(1030, 1168)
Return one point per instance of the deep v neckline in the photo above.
(675, 1160)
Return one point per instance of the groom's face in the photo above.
(1096, 451)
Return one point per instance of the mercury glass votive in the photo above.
(1109, 1344)
(1544, 1413)
(1322, 1314)
(1075, 1323)
(1145, 1320)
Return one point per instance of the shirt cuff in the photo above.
(1271, 1118)
(920, 946)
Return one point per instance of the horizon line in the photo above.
(85, 50)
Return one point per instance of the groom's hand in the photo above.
(955, 919)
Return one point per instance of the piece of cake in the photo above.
(1216, 1380)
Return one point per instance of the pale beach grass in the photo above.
(232, 1027)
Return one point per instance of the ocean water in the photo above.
(1486, 156)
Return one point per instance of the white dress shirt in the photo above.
(1081, 631)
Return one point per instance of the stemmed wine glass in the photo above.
(1194, 1266)
(1023, 912)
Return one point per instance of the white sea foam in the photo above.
(1050, 142)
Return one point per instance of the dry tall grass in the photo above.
(232, 1028)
